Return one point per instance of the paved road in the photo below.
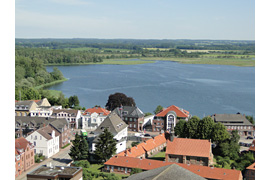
(60, 159)
(245, 140)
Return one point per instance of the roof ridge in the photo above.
(163, 172)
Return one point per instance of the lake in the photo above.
(200, 89)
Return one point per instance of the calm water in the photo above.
(200, 89)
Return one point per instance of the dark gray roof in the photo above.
(231, 119)
(114, 124)
(37, 121)
(59, 124)
(170, 172)
(132, 111)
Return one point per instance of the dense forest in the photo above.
(137, 44)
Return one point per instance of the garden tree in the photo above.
(243, 161)
(75, 148)
(158, 109)
(134, 144)
(235, 137)
(82, 163)
(219, 133)
(62, 100)
(147, 114)
(118, 100)
(179, 128)
(205, 128)
(79, 149)
(222, 161)
(73, 101)
(250, 119)
(135, 171)
(106, 145)
(191, 128)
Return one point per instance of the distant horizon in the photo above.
(140, 39)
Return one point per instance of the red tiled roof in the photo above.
(177, 110)
(21, 143)
(143, 147)
(252, 147)
(203, 171)
(97, 110)
(251, 167)
(189, 147)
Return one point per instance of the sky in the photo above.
(137, 19)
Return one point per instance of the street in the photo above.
(60, 159)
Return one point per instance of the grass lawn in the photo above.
(160, 156)
(97, 168)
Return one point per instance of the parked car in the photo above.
(241, 143)
(147, 135)
(250, 137)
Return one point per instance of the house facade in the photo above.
(237, 122)
(132, 116)
(45, 140)
(62, 126)
(189, 151)
(250, 172)
(93, 117)
(117, 127)
(23, 108)
(167, 118)
(24, 155)
(71, 115)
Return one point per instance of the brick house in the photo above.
(71, 115)
(132, 116)
(62, 126)
(189, 151)
(250, 172)
(237, 122)
(167, 118)
(146, 148)
(24, 155)
(124, 164)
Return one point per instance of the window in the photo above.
(188, 158)
(40, 137)
(134, 125)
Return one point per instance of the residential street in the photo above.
(60, 159)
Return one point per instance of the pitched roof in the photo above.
(143, 147)
(59, 124)
(231, 119)
(46, 132)
(169, 172)
(114, 124)
(37, 121)
(132, 111)
(24, 103)
(189, 147)
(69, 111)
(21, 143)
(97, 110)
(203, 171)
(251, 167)
(179, 112)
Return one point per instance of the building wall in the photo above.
(204, 161)
(29, 158)
(91, 121)
(250, 174)
(18, 166)
(117, 169)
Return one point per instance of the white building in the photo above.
(117, 127)
(71, 115)
(93, 117)
(45, 140)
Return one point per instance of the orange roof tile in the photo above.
(189, 147)
(147, 164)
(177, 110)
(251, 167)
(97, 110)
(21, 143)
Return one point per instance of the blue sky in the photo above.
(137, 19)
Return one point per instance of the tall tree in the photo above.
(158, 109)
(79, 149)
(179, 128)
(191, 127)
(205, 128)
(219, 133)
(119, 99)
(106, 145)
